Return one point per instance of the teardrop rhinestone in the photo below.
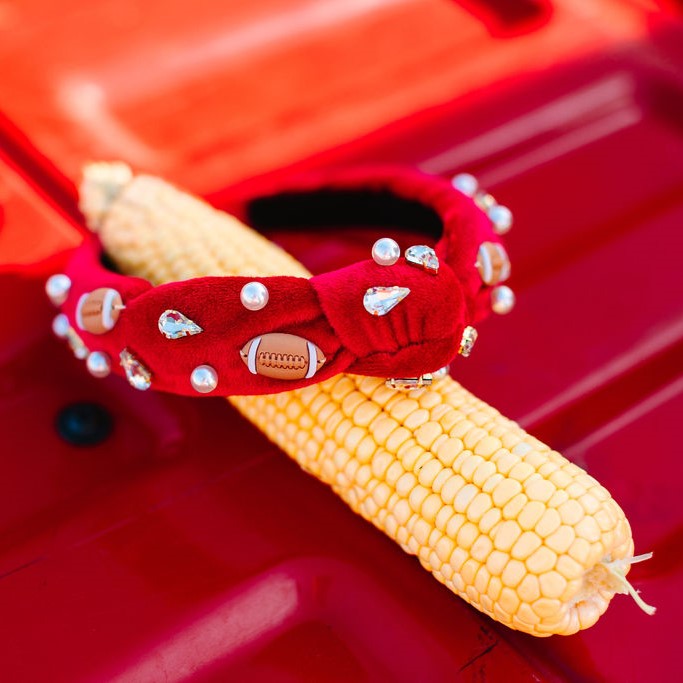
(174, 325)
(380, 300)
(76, 344)
(138, 375)
(469, 338)
(423, 256)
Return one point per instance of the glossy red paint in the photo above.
(185, 547)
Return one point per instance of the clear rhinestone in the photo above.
(423, 256)
(380, 300)
(174, 325)
(138, 375)
(469, 337)
(409, 383)
(76, 344)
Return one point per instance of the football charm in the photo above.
(98, 311)
(282, 356)
(493, 263)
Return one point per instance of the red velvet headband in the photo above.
(388, 316)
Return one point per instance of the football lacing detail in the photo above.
(284, 361)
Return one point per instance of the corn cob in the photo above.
(505, 522)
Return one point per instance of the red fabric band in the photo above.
(420, 334)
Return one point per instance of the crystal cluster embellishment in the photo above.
(57, 288)
(138, 375)
(409, 383)
(380, 300)
(204, 379)
(423, 256)
(385, 251)
(174, 325)
(254, 296)
(469, 338)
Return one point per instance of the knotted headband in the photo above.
(404, 312)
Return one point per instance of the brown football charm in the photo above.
(493, 263)
(98, 311)
(282, 356)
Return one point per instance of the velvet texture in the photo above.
(421, 334)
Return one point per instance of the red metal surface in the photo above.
(185, 547)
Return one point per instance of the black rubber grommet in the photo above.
(84, 424)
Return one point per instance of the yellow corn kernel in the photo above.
(498, 517)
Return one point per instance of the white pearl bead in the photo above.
(385, 251)
(501, 217)
(98, 364)
(502, 300)
(57, 288)
(254, 296)
(60, 326)
(466, 183)
(204, 379)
